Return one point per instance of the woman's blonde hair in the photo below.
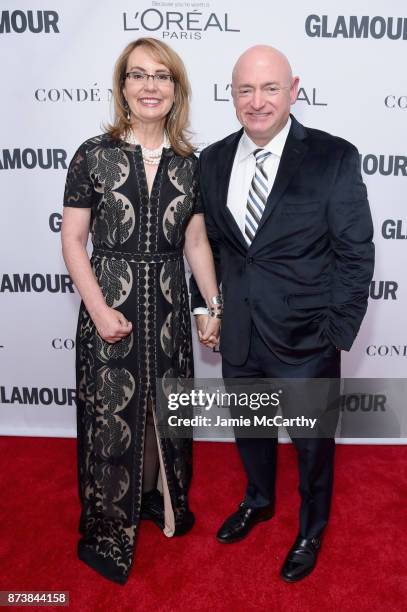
(176, 123)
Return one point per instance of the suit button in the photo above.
(246, 300)
(249, 260)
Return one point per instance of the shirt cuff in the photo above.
(201, 310)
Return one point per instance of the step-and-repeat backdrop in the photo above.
(56, 65)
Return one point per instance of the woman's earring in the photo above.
(126, 106)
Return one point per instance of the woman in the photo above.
(135, 188)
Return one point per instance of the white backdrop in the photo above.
(56, 74)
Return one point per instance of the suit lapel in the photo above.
(293, 153)
(224, 170)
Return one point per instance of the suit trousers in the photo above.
(315, 454)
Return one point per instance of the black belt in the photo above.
(135, 257)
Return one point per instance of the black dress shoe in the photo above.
(301, 559)
(240, 523)
(152, 507)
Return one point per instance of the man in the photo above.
(288, 218)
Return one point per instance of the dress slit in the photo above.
(169, 517)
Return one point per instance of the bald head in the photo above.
(263, 89)
(266, 58)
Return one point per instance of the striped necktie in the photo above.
(257, 198)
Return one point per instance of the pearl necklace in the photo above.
(150, 156)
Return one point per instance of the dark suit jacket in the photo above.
(304, 280)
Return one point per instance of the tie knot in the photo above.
(261, 155)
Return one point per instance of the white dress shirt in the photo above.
(242, 175)
(243, 171)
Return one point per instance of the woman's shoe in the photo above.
(152, 507)
(186, 524)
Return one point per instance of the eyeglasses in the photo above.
(269, 90)
(142, 77)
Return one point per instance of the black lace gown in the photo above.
(138, 262)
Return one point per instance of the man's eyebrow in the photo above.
(242, 85)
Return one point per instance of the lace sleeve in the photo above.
(198, 205)
(78, 186)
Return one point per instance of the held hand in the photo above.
(200, 322)
(210, 335)
(112, 325)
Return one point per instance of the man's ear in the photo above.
(294, 89)
(233, 98)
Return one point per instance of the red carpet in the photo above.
(362, 565)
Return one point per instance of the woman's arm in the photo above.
(199, 256)
(110, 323)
